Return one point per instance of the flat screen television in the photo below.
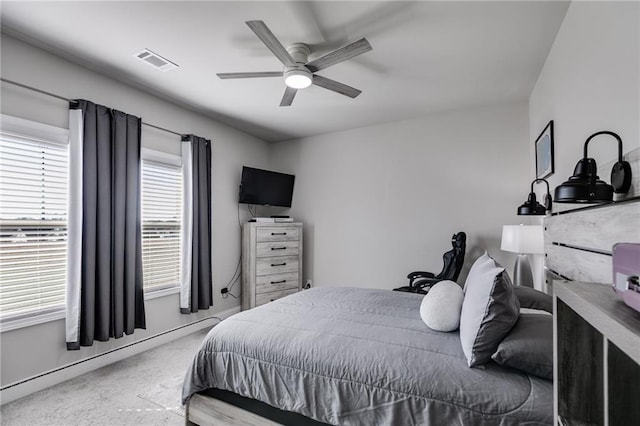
(266, 188)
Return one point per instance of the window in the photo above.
(34, 175)
(33, 218)
(161, 220)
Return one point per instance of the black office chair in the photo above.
(421, 281)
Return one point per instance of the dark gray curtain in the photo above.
(201, 283)
(111, 288)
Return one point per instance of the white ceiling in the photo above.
(427, 56)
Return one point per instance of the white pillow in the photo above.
(440, 308)
(489, 310)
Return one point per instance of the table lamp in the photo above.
(523, 240)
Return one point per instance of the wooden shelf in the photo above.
(605, 311)
(597, 205)
(596, 356)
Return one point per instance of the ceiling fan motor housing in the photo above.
(298, 77)
(299, 52)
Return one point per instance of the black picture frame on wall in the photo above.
(544, 152)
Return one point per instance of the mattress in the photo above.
(353, 356)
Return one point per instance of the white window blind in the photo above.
(161, 221)
(33, 225)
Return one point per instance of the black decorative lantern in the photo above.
(532, 207)
(585, 185)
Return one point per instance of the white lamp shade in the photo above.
(523, 239)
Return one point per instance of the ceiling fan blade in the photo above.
(224, 75)
(264, 33)
(342, 54)
(336, 86)
(289, 94)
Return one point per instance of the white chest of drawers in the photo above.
(271, 262)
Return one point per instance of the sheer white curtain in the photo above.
(196, 283)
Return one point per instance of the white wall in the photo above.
(33, 350)
(381, 201)
(590, 82)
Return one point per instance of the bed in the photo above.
(352, 356)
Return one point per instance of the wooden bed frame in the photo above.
(205, 410)
(578, 241)
(221, 407)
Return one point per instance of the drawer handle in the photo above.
(278, 282)
(278, 248)
(279, 264)
(278, 233)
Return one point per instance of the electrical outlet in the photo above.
(308, 284)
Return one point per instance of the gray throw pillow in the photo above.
(529, 346)
(534, 299)
(489, 310)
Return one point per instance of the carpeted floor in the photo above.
(141, 390)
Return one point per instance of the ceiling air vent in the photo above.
(155, 60)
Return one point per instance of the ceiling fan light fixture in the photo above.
(298, 78)
(298, 72)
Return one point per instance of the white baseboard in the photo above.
(28, 386)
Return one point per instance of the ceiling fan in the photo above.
(298, 72)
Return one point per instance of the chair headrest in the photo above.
(459, 240)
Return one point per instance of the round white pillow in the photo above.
(441, 307)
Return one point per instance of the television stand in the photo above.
(272, 219)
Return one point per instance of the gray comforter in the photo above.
(353, 356)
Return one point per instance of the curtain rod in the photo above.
(62, 98)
